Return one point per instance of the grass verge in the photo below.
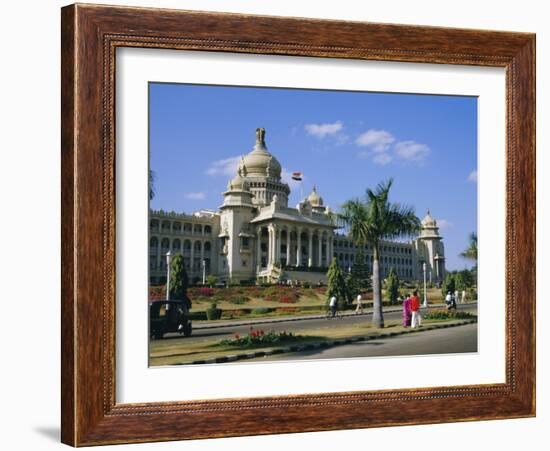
(177, 351)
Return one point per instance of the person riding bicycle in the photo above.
(333, 305)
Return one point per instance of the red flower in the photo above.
(237, 336)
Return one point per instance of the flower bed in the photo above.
(442, 314)
(257, 337)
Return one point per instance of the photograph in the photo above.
(294, 224)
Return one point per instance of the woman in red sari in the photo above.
(407, 312)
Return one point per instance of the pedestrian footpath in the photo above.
(203, 325)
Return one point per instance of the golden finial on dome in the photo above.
(260, 138)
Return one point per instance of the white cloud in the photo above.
(322, 130)
(377, 140)
(195, 196)
(383, 148)
(472, 177)
(226, 167)
(382, 158)
(444, 224)
(412, 151)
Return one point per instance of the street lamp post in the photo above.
(204, 272)
(425, 296)
(168, 261)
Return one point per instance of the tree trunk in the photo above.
(377, 315)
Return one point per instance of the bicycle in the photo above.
(337, 314)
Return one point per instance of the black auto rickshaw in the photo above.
(169, 316)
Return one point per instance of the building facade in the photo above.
(255, 235)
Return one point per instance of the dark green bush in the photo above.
(238, 299)
(213, 313)
(447, 314)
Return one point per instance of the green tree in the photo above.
(337, 284)
(460, 283)
(360, 271)
(178, 279)
(358, 278)
(211, 280)
(352, 287)
(448, 284)
(469, 277)
(471, 252)
(151, 184)
(392, 286)
(372, 220)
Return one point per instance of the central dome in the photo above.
(259, 162)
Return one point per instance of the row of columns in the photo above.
(275, 241)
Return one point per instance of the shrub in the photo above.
(213, 313)
(178, 278)
(392, 286)
(272, 291)
(211, 280)
(206, 291)
(257, 337)
(447, 314)
(285, 299)
(238, 299)
(290, 298)
(261, 310)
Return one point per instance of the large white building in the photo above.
(255, 235)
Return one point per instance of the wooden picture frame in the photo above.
(90, 36)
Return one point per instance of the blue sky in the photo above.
(343, 142)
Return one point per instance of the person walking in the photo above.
(407, 313)
(359, 308)
(332, 306)
(416, 319)
(449, 300)
(463, 296)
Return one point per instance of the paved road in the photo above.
(451, 340)
(288, 326)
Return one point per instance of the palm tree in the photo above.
(471, 252)
(372, 220)
(151, 184)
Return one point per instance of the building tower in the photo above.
(431, 249)
(235, 238)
